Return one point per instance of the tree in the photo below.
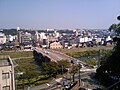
(115, 28)
(118, 17)
(53, 68)
(109, 71)
(65, 63)
(49, 68)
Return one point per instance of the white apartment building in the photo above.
(56, 34)
(43, 36)
(43, 40)
(36, 37)
(10, 38)
(7, 81)
(2, 38)
(26, 38)
(108, 38)
(83, 39)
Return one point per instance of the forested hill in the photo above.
(10, 31)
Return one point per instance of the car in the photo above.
(46, 52)
(67, 87)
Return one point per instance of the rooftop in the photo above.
(4, 61)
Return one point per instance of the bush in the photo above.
(91, 62)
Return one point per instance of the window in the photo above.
(6, 88)
(5, 75)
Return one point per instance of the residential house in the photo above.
(55, 45)
(2, 38)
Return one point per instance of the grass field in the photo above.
(85, 52)
(85, 49)
(18, 54)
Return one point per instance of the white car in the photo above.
(46, 52)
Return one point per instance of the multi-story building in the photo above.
(43, 40)
(7, 81)
(26, 37)
(36, 36)
(2, 38)
(10, 38)
(19, 36)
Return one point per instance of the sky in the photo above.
(59, 14)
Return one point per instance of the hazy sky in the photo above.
(59, 14)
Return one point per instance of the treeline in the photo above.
(10, 31)
(51, 69)
(109, 71)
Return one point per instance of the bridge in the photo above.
(52, 55)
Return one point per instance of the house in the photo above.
(2, 38)
(26, 45)
(55, 45)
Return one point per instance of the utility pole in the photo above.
(72, 69)
(98, 64)
(79, 73)
(70, 74)
(62, 69)
(99, 57)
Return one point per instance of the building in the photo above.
(44, 40)
(2, 38)
(10, 38)
(55, 45)
(36, 37)
(83, 40)
(26, 37)
(7, 81)
(19, 36)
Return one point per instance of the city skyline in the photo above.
(59, 14)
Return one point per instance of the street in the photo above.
(86, 73)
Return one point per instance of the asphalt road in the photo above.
(86, 82)
(52, 54)
(86, 78)
(56, 56)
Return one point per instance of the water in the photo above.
(88, 58)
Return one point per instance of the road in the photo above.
(86, 79)
(56, 56)
(87, 82)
